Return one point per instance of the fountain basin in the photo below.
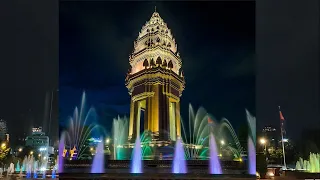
(153, 176)
(155, 166)
(301, 175)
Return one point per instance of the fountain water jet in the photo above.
(44, 174)
(312, 165)
(179, 162)
(98, 161)
(35, 167)
(120, 129)
(251, 157)
(215, 167)
(136, 163)
(60, 156)
(18, 166)
(251, 143)
(82, 125)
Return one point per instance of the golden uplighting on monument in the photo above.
(155, 82)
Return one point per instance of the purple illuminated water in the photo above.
(179, 162)
(214, 167)
(61, 148)
(136, 162)
(251, 156)
(98, 161)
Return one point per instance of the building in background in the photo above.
(3, 130)
(272, 136)
(39, 141)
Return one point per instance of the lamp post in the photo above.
(222, 143)
(263, 142)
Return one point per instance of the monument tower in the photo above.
(155, 82)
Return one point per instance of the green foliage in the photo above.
(4, 152)
(277, 154)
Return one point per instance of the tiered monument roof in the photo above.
(155, 45)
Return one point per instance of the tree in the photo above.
(4, 152)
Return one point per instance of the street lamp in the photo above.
(31, 152)
(3, 145)
(107, 141)
(263, 142)
(20, 149)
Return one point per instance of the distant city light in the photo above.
(285, 140)
(3, 145)
(222, 142)
(20, 149)
(31, 152)
(42, 149)
(107, 140)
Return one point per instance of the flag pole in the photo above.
(283, 151)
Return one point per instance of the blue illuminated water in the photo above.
(136, 162)
(98, 161)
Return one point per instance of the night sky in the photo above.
(216, 41)
(29, 68)
(288, 66)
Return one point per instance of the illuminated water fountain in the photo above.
(251, 157)
(196, 135)
(214, 167)
(251, 144)
(198, 143)
(18, 166)
(136, 162)
(179, 162)
(82, 124)
(35, 168)
(120, 136)
(98, 161)
(61, 149)
(29, 165)
(312, 165)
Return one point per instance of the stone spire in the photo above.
(155, 41)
